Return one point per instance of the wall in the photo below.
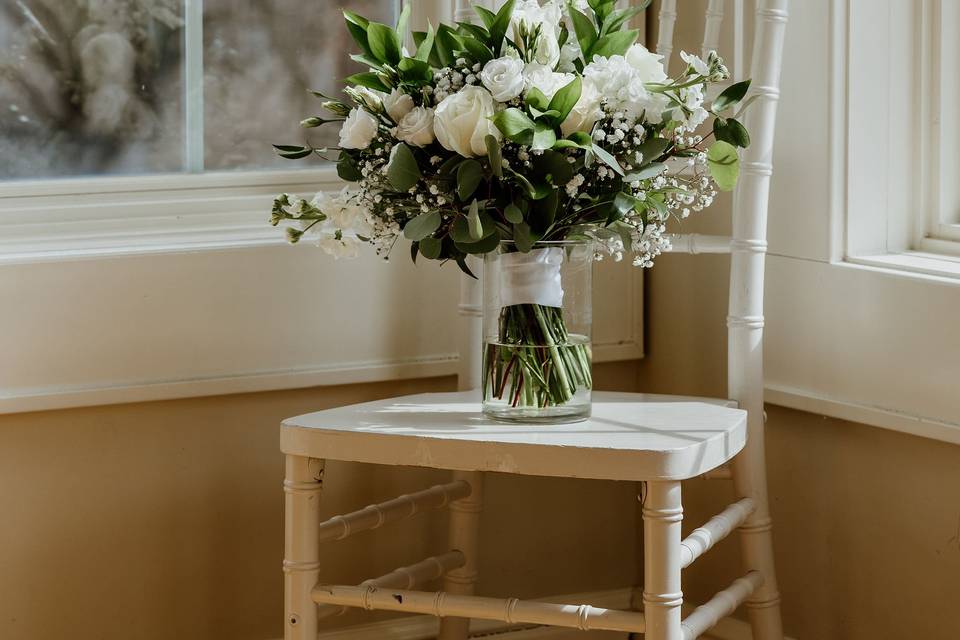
(164, 520)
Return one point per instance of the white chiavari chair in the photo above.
(656, 440)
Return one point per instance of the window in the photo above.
(903, 163)
(132, 87)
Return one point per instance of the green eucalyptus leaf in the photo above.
(544, 211)
(431, 248)
(535, 191)
(553, 167)
(731, 131)
(292, 152)
(347, 168)
(495, 155)
(513, 214)
(523, 237)
(422, 226)
(651, 170)
(724, 164)
(731, 96)
(474, 226)
(607, 159)
(402, 170)
(652, 149)
(469, 176)
(486, 245)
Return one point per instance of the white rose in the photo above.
(546, 79)
(648, 65)
(587, 111)
(359, 130)
(416, 127)
(503, 77)
(398, 105)
(462, 121)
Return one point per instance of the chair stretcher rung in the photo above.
(697, 243)
(510, 610)
(405, 578)
(702, 539)
(720, 606)
(377, 515)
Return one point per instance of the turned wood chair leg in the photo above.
(756, 539)
(662, 594)
(464, 537)
(301, 563)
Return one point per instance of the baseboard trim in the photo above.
(425, 627)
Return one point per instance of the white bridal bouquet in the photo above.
(543, 122)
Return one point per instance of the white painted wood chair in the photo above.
(656, 440)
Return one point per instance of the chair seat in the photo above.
(629, 437)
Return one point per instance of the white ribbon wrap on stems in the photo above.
(532, 278)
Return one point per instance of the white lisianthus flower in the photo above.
(549, 17)
(503, 77)
(462, 121)
(371, 98)
(693, 101)
(568, 55)
(342, 247)
(398, 105)
(647, 64)
(545, 78)
(416, 127)
(359, 130)
(587, 111)
(696, 62)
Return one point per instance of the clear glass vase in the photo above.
(537, 320)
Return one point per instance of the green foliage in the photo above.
(515, 125)
(422, 226)
(347, 168)
(566, 99)
(724, 164)
(292, 152)
(370, 80)
(731, 96)
(402, 170)
(731, 131)
(384, 42)
(614, 44)
(494, 155)
(469, 176)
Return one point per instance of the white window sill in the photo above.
(916, 263)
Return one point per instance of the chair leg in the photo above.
(301, 564)
(756, 538)
(662, 594)
(464, 537)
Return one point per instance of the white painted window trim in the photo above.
(910, 220)
(860, 322)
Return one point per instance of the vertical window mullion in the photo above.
(193, 86)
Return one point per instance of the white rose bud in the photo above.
(544, 78)
(548, 50)
(416, 127)
(397, 105)
(462, 121)
(587, 111)
(503, 77)
(648, 65)
(359, 130)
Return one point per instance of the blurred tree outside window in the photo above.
(97, 87)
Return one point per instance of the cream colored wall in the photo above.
(163, 521)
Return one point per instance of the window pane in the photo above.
(260, 58)
(90, 87)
